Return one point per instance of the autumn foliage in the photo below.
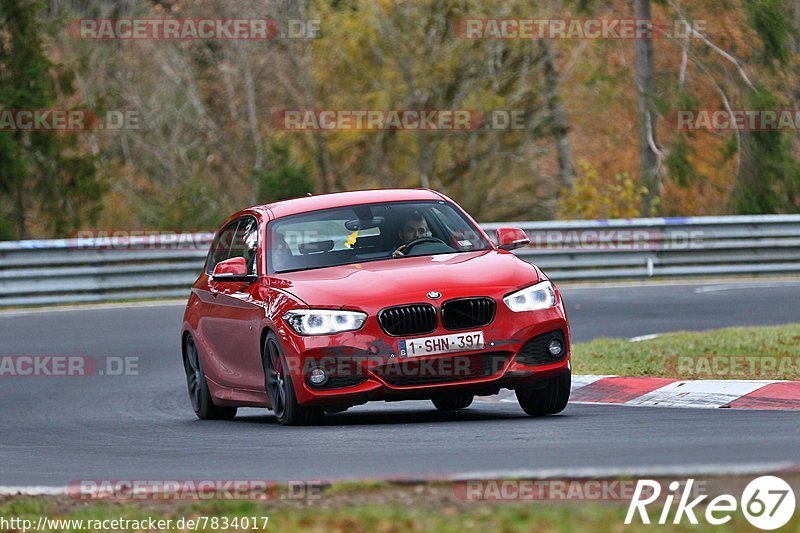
(557, 138)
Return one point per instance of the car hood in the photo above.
(378, 284)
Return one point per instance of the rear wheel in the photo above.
(452, 403)
(280, 388)
(549, 400)
(202, 402)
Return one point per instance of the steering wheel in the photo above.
(423, 240)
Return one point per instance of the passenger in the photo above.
(281, 254)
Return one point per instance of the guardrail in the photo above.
(664, 247)
(90, 270)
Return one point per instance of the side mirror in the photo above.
(233, 269)
(511, 238)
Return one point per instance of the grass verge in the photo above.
(730, 353)
(388, 510)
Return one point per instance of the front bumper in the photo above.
(365, 365)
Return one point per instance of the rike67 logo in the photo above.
(767, 502)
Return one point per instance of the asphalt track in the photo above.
(57, 430)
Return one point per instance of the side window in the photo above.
(220, 250)
(245, 243)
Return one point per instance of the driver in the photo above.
(415, 227)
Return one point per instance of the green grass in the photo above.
(388, 517)
(731, 353)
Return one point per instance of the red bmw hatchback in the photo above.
(321, 303)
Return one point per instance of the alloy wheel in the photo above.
(194, 373)
(276, 378)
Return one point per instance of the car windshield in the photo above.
(357, 234)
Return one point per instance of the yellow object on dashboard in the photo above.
(351, 239)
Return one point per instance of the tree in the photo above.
(645, 84)
(551, 82)
(40, 171)
(769, 180)
(409, 56)
(283, 178)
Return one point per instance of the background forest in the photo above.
(598, 139)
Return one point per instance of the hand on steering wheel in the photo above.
(403, 250)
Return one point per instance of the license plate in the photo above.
(459, 342)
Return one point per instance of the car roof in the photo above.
(344, 199)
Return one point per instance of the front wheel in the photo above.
(280, 389)
(549, 400)
(200, 396)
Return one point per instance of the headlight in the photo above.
(323, 322)
(539, 296)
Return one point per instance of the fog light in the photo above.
(555, 347)
(317, 377)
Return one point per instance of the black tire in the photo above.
(452, 403)
(549, 400)
(199, 395)
(280, 388)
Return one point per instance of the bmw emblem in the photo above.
(434, 295)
